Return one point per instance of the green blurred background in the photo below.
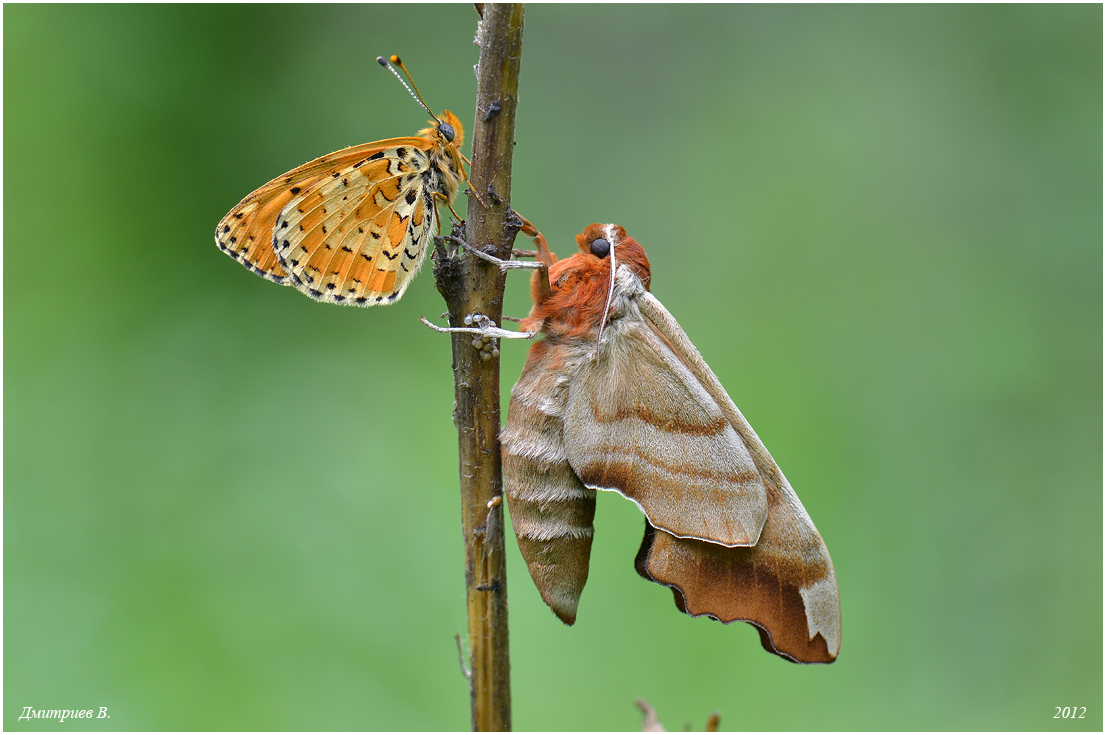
(229, 507)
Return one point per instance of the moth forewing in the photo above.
(669, 329)
(639, 423)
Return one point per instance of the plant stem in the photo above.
(472, 286)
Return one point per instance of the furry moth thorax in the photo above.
(579, 284)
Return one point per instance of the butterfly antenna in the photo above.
(607, 306)
(410, 88)
(418, 98)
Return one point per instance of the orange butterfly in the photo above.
(353, 226)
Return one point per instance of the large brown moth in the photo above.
(615, 397)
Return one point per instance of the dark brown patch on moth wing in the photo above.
(784, 585)
(729, 584)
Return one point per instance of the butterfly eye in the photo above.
(447, 131)
(600, 248)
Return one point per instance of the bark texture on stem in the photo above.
(473, 286)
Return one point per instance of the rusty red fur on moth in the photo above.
(617, 398)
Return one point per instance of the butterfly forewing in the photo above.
(351, 227)
(242, 236)
(246, 233)
(359, 236)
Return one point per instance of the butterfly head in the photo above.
(447, 130)
(446, 135)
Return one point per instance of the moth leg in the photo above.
(503, 265)
(543, 253)
(545, 258)
(506, 265)
(485, 333)
(539, 283)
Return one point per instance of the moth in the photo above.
(615, 397)
(351, 227)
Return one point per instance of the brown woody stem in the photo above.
(473, 286)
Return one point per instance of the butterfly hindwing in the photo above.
(246, 233)
(359, 236)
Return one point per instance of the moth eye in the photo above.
(447, 131)
(600, 248)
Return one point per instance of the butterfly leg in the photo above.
(449, 204)
(468, 181)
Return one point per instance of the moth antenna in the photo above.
(414, 92)
(607, 306)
